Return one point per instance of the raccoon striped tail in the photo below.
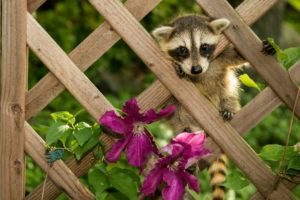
(218, 171)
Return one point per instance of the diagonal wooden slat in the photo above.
(60, 64)
(242, 122)
(52, 191)
(250, 47)
(84, 55)
(13, 73)
(228, 139)
(59, 172)
(254, 112)
(33, 5)
(289, 184)
(103, 38)
(249, 12)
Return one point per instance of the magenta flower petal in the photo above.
(116, 150)
(174, 150)
(194, 147)
(192, 181)
(152, 181)
(132, 110)
(113, 122)
(138, 149)
(193, 139)
(175, 186)
(151, 116)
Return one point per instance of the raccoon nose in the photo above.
(196, 69)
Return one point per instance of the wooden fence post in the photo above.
(12, 98)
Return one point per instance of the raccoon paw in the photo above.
(227, 115)
(268, 49)
(179, 71)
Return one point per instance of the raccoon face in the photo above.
(190, 41)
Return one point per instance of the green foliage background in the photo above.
(120, 75)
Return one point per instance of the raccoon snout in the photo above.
(196, 69)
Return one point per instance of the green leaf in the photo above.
(292, 55)
(64, 116)
(295, 4)
(81, 150)
(123, 182)
(98, 180)
(286, 57)
(56, 131)
(274, 152)
(294, 163)
(101, 196)
(82, 132)
(236, 181)
(115, 196)
(247, 81)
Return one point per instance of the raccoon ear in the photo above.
(162, 33)
(219, 25)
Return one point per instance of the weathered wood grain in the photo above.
(289, 185)
(33, 5)
(249, 12)
(186, 93)
(247, 43)
(12, 99)
(52, 191)
(64, 69)
(243, 121)
(96, 44)
(84, 55)
(59, 172)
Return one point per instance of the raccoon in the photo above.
(189, 42)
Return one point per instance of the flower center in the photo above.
(174, 166)
(138, 128)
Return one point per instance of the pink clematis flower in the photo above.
(135, 138)
(183, 151)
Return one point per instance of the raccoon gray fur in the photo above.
(189, 42)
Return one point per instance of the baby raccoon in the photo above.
(189, 42)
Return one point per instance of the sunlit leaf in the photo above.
(56, 131)
(295, 4)
(247, 81)
(64, 116)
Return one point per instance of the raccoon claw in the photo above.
(227, 115)
(267, 49)
(179, 71)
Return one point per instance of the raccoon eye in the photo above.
(206, 49)
(182, 52)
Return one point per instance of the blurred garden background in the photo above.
(119, 74)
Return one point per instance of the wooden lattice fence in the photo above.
(20, 28)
